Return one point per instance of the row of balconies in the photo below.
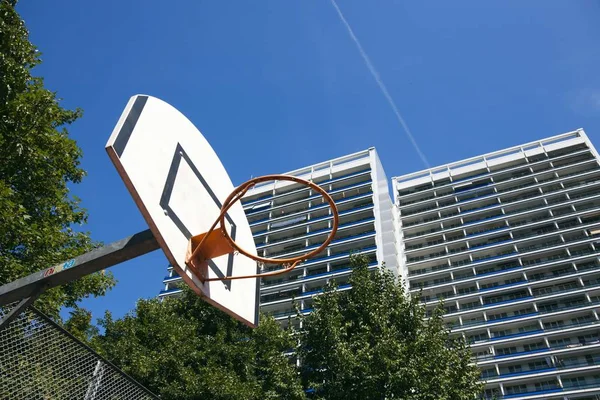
(482, 235)
(480, 247)
(504, 207)
(290, 312)
(514, 300)
(469, 267)
(555, 344)
(300, 204)
(355, 219)
(310, 225)
(466, 198)
(248, 202)
(310, 212)
(447, 224)
(308, 207)
(553, 336)
(483, 189)
(511, 277)
(536, 366)
(499, 173)
(581, 383)
(582, 378)
(527, 312)
(317, 269)
(506, 170)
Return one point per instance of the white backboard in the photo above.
(179, 184)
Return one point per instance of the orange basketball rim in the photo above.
(218, 242)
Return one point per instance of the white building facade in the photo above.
(510, 241)
(288, 219)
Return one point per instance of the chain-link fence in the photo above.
(39, 360)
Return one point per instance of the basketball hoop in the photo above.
(218, 242)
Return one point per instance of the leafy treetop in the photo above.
(39, 162)
(374, 342)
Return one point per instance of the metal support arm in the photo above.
(86, 264)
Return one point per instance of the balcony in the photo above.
(304, 200)
(313, 234)
(488, 341)
(496, 173)
(518, 200)
(311, 277)
(322, 183)
(297, 295)
(310, 209)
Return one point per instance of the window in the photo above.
(548, 307)
(497, 316)
(492, 393)
(537, 365)
(528, 328)
(592, 337)
(482, 354)
(489, 285)
(488, 373)
(441, 280)
(516, 389)
(547, 385)
(534, 346)
(450, 309)
(514, 369)
(506, 350)
(581, 320)
(463, 275)
(467, 290)
(523, 311)
(468, 306)
(502, 333)
(575, 382)
(478, 337)
(513, 280)
(560, 342)
(554, 324)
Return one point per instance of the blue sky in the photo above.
(277, 85)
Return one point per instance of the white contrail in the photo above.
(382, 86)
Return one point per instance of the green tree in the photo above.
(374, 342)
(185, 349)
(38, 162)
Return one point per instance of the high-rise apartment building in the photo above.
(510, 241)
(288, 219)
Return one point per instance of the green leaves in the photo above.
(373, 342)
(186, 349)
(39, 161)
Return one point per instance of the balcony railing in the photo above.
(514, 201)
(306, 235)
(313, 276)
(558, 328)
(450, 185)
(331, 192)
(339, 178)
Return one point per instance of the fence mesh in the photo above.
(40, 360)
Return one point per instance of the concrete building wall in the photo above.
(509, 240)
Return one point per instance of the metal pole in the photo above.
(86, 264)
(95, 381)
(16, 310)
